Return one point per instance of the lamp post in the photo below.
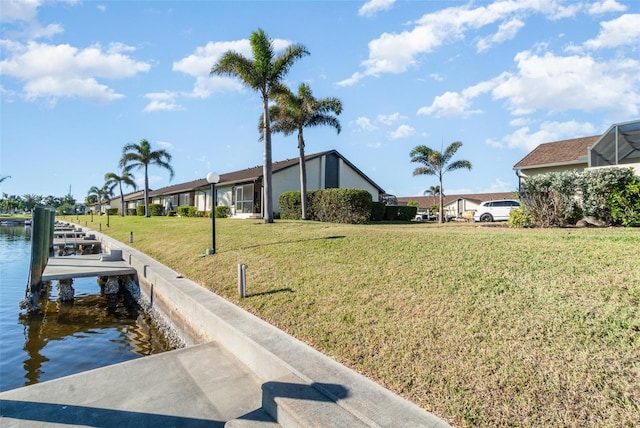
(213, 178)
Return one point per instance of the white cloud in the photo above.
(389, 119)
(624, 30)
(561, 83)
(606, 6)
(526, 139)
(375, 145)
(397, 52)
(59, 71)
(365, 123)
(199, 65)
(449, 104)
(19, 10)
(162, 101)
(499, 186)
(403, 131)
(372, 7)
(506, 31)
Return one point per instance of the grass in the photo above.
(481, 326)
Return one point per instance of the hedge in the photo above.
(330, 205)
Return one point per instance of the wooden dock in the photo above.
(68, 267)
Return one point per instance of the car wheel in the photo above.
(486, 218)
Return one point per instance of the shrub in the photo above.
(186, 211)
(377, 211)
(625, 204)
(390, 212)
(112, 211)
(290, 205)
(132, 211)
(551, 199)
(155, 209)
(223, 211)
(140, 210)
(407, 212)
(520, 218)
(341, 205)
(597, 187)
(413, 204)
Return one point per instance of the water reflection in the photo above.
(92, 331)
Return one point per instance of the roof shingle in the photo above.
(573, 151)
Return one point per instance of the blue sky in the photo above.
(80, 79)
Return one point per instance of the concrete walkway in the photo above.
(243, 373)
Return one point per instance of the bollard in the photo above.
(99, 227)
(130, 237)
(242, 280)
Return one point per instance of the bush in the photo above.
(558, 199)
(597, 187)
(551, 199)
(140, 210)
(377, 211)
(330, 205)
(155, 209)
(413, 204)
(520, 218)
(186, 211)
(132, 211)
(290, 205)
(407, 212)
(223, 211)
(351, 206)
(112, 211)
(625, 204)
(390, 212)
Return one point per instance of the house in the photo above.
(454, 205)
(618, 146)
(242, 190)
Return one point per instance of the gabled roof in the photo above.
(253, 174)
(565, 152)
(427, 201)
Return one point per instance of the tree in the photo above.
(294, 113)
(4, 178)
(112, 180)
(136, 156)
(263, 74)
(433, 191)
(96, 195)
(437, 163)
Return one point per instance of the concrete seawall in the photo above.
(300, 386)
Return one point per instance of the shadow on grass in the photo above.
(293, 241)
(266, 293)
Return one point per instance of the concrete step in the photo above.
(293, 403)
(256, 419)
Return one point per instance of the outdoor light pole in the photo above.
(213, 178)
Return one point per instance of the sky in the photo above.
(81, 79)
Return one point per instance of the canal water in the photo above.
(64, 338)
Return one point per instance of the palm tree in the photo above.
(294, 113)
(136, 156)
(4, 178)
(97, 194)
(263, 74)
(437, 163)
(433, 191)
(112, 180)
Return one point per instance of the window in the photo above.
(244, 199)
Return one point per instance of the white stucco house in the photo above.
(242, 190)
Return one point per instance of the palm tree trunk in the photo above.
(121, 200)
(146, 192)
(267, 167)
(441, 219)
(303, 177)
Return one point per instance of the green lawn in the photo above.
(483, 326)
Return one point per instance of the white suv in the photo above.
(495, 210)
